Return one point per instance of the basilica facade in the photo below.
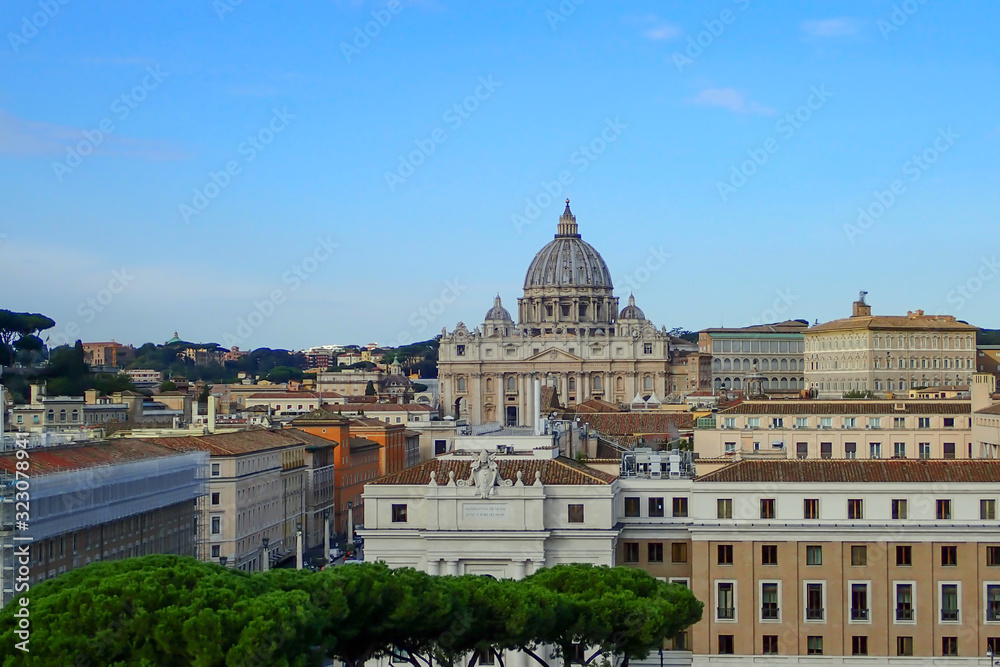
(569, 334)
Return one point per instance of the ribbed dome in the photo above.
(631, 311)
(498, 313)
(568, 260)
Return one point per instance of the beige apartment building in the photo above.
(840, 429)
(888, 353)
(260, 483)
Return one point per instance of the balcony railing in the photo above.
(769, 611)
(726, 613)
(859, 614)
(904, 614)
(949, 614)
(814, 613)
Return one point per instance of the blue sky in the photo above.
(263, 174)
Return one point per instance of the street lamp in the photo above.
(298, 546)
(265, 564)
(326, 534)
(223, 560)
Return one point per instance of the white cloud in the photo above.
(653, 27)
(835, 27)
(731, 99)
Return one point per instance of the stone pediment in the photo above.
(553, 355)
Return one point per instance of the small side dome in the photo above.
(631, 311)
(498, 313)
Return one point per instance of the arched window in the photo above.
(572, 383)
(461, 384)
(727, 365)
(50, 416)
(736, 364)
(75, 415)
(511, 384)
(783, 365)
(737, 383)
(647, 383)
(764, 365)
(597, 383)
(489, 385)
(619, 384)
(716, 364)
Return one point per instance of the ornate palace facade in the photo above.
(570, 335)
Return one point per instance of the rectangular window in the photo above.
(631, 506)
(216, 525)
(726, 610)
(654, 551)
(993, 556)
(855, 508)
(679, 552)
(440, 447)
(859, 555)
(726, 645)
(769, 602)
(814, 554)
(949, 422)
(680, 507)
(725, 554)
(725, 508)
(575, 513)
(949, 602)
(767, 508)
(656, 507)
(898, 508)
(802, 422)
(215, 470)
(770, 645)
(899, 422)
(753, 422)
(814, 602)
(904, 645)
(949, 555)
(826, 422)
(215, 498)
(814, 645)
(993, 603)
(904, 555)
(859, 645)
(949, 450)
(769, 554)
(988, 509)
(631, 552)
(943, 509)
(729, 422)
(875, 450)
(850, 450)
(993, 645)
(904, 602)
(802, 450)
(899, 450)
(859, 602)
(949, 646)
(399, 513)
(216, 551)
(924, 450)
(810, 508)
(923, 422)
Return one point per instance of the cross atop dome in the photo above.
(567, 224)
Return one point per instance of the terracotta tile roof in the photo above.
(593, 405)
(848, 407)
(918, 322)
(918, 471)
(633, 423)
(558, 471)
(233, 444)
(992, 410)
(383, 407)
(312, 440)
(285, 394)
(410, 433)
(370, 421)
(48, 460)
(788, 326)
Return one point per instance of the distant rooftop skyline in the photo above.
(375, 171)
